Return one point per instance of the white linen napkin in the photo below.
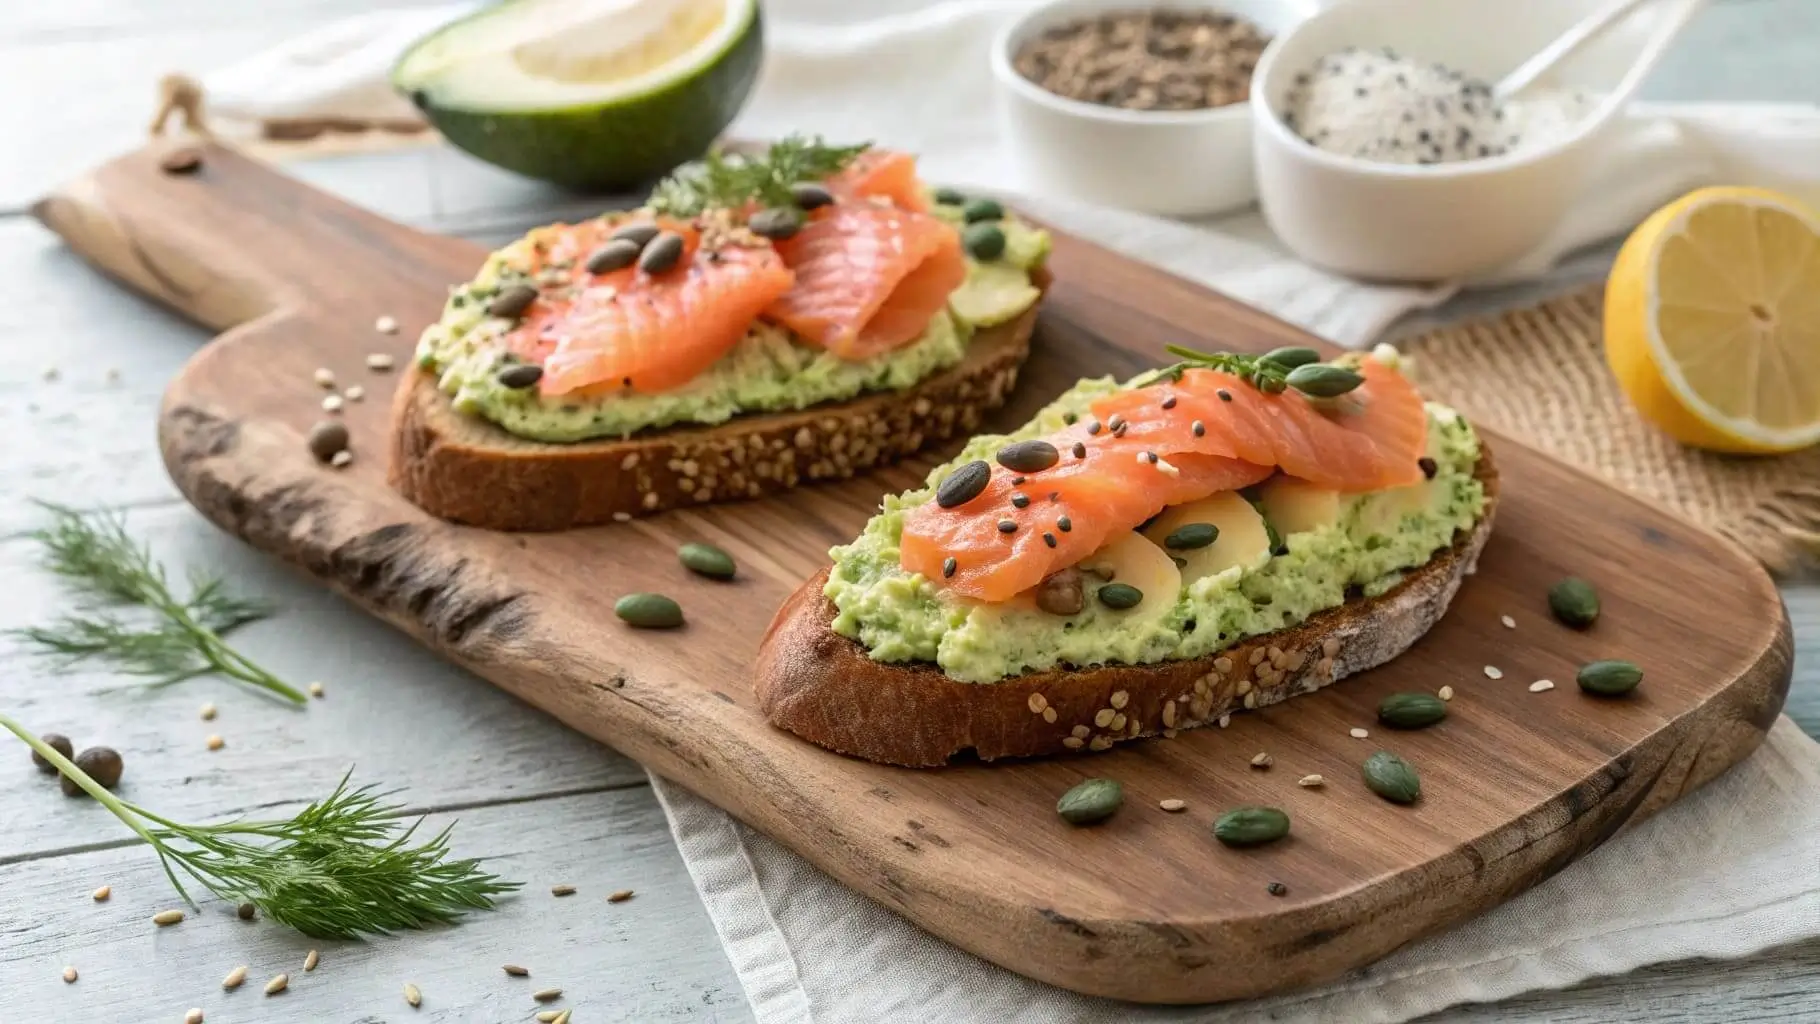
(1726, 872)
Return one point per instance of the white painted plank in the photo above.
(398, 715)
(651, 959)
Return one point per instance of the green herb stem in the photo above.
(730, 181)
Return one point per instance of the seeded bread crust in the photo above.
(467, 470)
(822, 686)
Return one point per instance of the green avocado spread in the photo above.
(769, 370)
(1309, 551)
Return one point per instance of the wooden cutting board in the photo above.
(1145, 907)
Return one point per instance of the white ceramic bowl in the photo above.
(1177, 163)
(1440, 221)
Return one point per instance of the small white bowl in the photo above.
(1440, 221)
(1175, 163)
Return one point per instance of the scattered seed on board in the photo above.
(386, 325)
(562, 890)
(516, 971)
(1509, 623)
(1493, 672)
(1173, 805)
(1541, 686)
(234, 978)
(1359, 734)
(1310, 781)
(277, 985)
(412, 994)
(215, 742)
(100, 895)
(167, 917)
(549, 1016)
(620, 896)
(69, 975)
(1262, 760)
(194, 1016)
(562, 1018)
(544, 995)
(706, 560)
(328, 438)
(245, 911)
(341, 458)
(649, 611)
(316, 690)
(325, 377)
(380, 362)
(311, 959)
(1446, 693)
(332, 403)
(354, 393)
(1277, 889)
(182, 160)
(208, 712)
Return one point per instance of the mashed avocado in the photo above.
(770, 370)
(1363, 541)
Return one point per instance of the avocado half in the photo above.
(588, 94)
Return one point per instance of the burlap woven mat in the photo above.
(1539, 375)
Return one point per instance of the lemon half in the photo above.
(1712, 320)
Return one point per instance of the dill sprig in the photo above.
(341, 868)
(721, 181)
(109, 571)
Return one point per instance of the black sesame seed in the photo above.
(1225, 395)
(1055, 495)
(1049, 539)
(1115, 422)
(1277, 889)
(1150, 457)
(948, 567)
(1429, 468)
(1119, 431)
(1007, 526)
(1093, 426)
(1080, 450)
(1169, 403)
(1020, 501)
(1064, 524)
(1199, 428)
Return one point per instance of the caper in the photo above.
(102, 764)
(58, 742)
(1120, 596)
(984, 241)
(982, 210)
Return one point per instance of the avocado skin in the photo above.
(605, 148)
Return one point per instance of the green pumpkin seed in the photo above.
(1411, 710)
(615, 255)
(1120, 596)
(1251, 826)
(810, 196)
(649, 611)
(1292, 356)
(1092, 801)
(985, 242)
(638, 234)
(1391, 777)
(519, 376)
(662, 253)
(1320, 380)
(963, 485)
(982, 210)
(1189, 536)
(1574, 602)
(1609, 678)
(511, 302)
(776, 223)
(707, 560)
(1028, 456)
(950, 197)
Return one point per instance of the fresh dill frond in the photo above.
(109, 571)
(722, 180)
(341, 868)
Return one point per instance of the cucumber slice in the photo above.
(992, 294)
(589, 94)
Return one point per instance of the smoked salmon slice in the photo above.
(1144, 449)
(869, 277)
(628, 330)
(886, 173)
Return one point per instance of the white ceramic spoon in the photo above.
(1585, 31)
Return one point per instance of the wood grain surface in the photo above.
(1146, 907)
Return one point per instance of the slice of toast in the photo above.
(823, 686)
(469, 471)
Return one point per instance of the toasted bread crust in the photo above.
(467, 470)
(822, 686)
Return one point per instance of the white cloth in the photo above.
(1726, 872)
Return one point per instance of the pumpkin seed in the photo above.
(1320, 380)
(984, 241)
(1251, 826)
(638, 234)
(511, 302)
(1609, 678)
(1292, 356)
(649, 611)
(982, 210)
(1428, 466)
(1411, 710)
(662, 253)
(326, 438)
(707, 560)
(811, 196)
(1028, 456)
(950, 197)
(963, 485)
(1061, 593)
(1092, 801)
(1391, 777)
(776, 223)
(1574, 602)
(615, 255)
(1189, 536)
(1120, 596)
(519, 376)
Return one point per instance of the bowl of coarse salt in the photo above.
(1139, 106)
(1383, 153)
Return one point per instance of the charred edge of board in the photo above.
(390, 565)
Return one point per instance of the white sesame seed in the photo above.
(316, 690)
(1541, 685)
(325, 377)
(69, 975)
(1446, 693)
(1172, 805)
(622, 517)
(1073, 742)
(341, 458)
(208, 712)
(1493, 672)
(100, 895)
(1262, 760)
(1225, 720)
(332, 403)
(234, 978)
(1037, 703)
(1049, 715)
(1310, 781)
(164, 918)
(311, 960)
(412, 994)
(386, 325)
(1509, 623)
(355, 393)
(1119, 699)
(215, 742)
(380, 362)
(1358, 734)
(194, 1016)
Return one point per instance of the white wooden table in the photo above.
(548, 805)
